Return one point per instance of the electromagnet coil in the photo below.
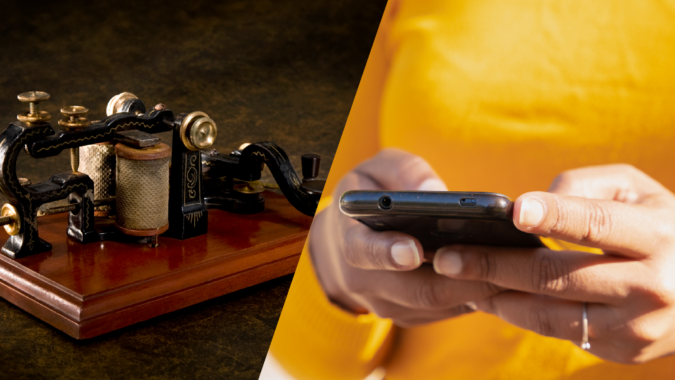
(142, 187)
(98, 162)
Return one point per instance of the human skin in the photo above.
(362, 270)
(629, 290)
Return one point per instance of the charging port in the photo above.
(385, 202)
(467, 202)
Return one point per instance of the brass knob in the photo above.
(34, 115)
(74, 117)
(10, 219)
(117, 101)
(198, 131)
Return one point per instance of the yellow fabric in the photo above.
(498, 96)
(322, 341)
(504, 95)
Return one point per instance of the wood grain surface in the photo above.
(89, 289)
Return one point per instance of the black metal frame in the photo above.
(192, 190)
(247, 165)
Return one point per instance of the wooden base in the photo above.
(87, 290)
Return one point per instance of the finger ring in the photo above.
(584, 338)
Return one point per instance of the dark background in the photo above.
(283, 71)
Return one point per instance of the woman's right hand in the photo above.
(363, 270)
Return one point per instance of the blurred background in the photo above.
(283, 71)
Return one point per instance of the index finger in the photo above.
(618, 182)
(392, 169)
(571, 275)
(633, 230)
(423, 289)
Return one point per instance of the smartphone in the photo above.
(439, 218)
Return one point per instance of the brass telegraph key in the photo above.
(130, 186)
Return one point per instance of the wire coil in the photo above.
(142, 201)
(98, 162)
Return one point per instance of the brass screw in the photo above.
(34, 115)
(74, 120)
(75, 159)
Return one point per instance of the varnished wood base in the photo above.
(87, 290)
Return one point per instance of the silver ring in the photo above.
(584, 323)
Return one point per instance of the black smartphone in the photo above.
(439, 218)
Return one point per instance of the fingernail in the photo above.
(472, 305)
(531, 212)
(432, 184)
(447, 262)
(405, 253)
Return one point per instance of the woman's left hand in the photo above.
(629, 290)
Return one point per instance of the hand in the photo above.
(629, 290)
(363, 270)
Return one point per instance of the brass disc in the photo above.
(253, 187)
(27, 117)
(198, 131)
(14, 227)
(33, 96)
(203, 133)
(82, 122)
(74, 110)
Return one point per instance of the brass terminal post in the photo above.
(34, 115)
(74, 119)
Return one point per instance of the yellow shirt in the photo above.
(497, 96)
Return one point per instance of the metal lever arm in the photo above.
(247, 165)
(153, 122)
(277, 161)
